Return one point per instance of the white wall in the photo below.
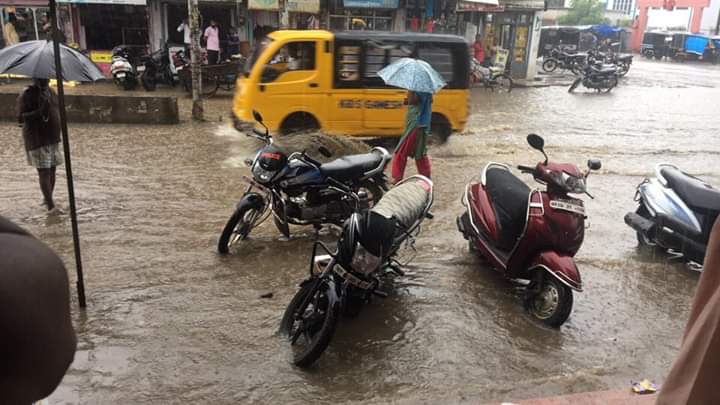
(710, 17)
(663, 19)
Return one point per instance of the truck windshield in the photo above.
(257, 50)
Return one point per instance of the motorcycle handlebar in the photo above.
(526, 169)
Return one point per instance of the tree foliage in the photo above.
(585, 12)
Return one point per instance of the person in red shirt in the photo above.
(479, 49)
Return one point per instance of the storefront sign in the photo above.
(371, 3)
(272, 5)
(303, 6)
(481, 7)
(111, 2)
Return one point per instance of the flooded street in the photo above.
(170, 321)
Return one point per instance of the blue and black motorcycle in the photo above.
(299, 190)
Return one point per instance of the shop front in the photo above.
(303, 14)
(513, 26)
(28, 20)
(366, 15)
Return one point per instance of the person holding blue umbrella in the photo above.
(421, 81)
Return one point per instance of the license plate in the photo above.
(567, 206)
(141, 68)
(120, 75)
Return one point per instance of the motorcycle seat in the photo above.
(625, 58)
(509, 197)
(405, 202)
(605, 69)
(353, 166)
(692, 190)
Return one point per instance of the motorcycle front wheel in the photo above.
(238, 227)
(549, 65)
(311, 326)
(551, 303)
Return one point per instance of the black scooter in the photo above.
(676, 212)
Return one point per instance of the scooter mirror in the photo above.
(536, 142)
(594, 164)
(258, 117)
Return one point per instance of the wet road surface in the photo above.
(170, 321)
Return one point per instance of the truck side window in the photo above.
(291, 57)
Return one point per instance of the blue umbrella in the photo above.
(412, 74)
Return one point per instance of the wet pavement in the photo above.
(170, 321)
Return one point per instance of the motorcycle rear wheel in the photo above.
(129, 84)
(551, 303)
(238, 227)
(148, 83)
(316, 325)
(549, 65)
(504, 83)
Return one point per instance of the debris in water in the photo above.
(644, 387)
(267, 295)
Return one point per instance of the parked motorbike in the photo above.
(341, 282)
(123, 73)
(158, 69)
(564, 60)
(531, 235)
(602, 78)
(611, 58)
(298, 190)
(676, 212)
(491, 77)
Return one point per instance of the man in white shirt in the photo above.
(185, 29)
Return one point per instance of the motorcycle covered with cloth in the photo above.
(344, 280)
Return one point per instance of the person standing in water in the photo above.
(37, 110)
(414, 140)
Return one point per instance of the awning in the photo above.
(490, 2)
(484, 6)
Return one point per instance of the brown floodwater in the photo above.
(170, 321)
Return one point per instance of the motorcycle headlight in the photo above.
(363, 261)
(571, 184)
(262, 175)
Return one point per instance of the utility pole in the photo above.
(197, 104)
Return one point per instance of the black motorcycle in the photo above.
(564, 60)
(299, 190)
(602, 78)
(341, 282)
(676, 212)
(158, 69)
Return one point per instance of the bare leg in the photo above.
(45, 177)
(52, 177)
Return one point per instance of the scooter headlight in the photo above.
(363, 261)
(571, 184)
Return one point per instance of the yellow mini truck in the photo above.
(306, 80)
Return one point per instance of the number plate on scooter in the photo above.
(120, 75)
(567, 206)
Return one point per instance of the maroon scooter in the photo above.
(531, 235)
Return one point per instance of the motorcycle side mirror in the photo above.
(257, 116)
(594, 164)
(537, 142)
(325, 151)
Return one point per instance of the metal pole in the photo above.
(197, 104)
(66, 149)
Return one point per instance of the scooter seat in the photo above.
(353, 166)
(509, 197)
(692, 190)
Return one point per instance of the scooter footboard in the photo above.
(559, 266)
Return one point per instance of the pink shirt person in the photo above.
(213, 38)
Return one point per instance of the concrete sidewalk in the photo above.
(615, 397)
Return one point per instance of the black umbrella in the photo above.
(45, 60)
(37, 59)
